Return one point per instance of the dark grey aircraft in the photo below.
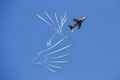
(77, 22)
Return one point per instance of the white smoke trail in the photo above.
(46, 21)
(52, 37)
(63, 25)
(49, 62)
(63, 20)
(50, 18)
(57, 43)
(56, 61)
(58, 50)
(58, 56)
(50, 40)
(64, 17)
(53, 66)
(49, 69)
(57, 31)
(60, 26)
(56, 19)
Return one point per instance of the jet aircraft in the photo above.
(77, 22)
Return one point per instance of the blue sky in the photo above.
(95, 48)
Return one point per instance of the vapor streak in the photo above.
(56, 19)
(58, 56)
(63, 20)
(53, 66)
(58, 50)
(53, 45)
(49, 18)
(56, 61)
(46, 21)
(49, 68)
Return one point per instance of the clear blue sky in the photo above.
(95, 50)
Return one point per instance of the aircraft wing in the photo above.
(75, 20)
(79, 26)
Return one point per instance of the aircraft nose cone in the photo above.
(84, 17)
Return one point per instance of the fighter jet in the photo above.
(77, 22)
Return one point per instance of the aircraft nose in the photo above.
(85, 17)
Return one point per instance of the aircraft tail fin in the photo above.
(71, 28)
